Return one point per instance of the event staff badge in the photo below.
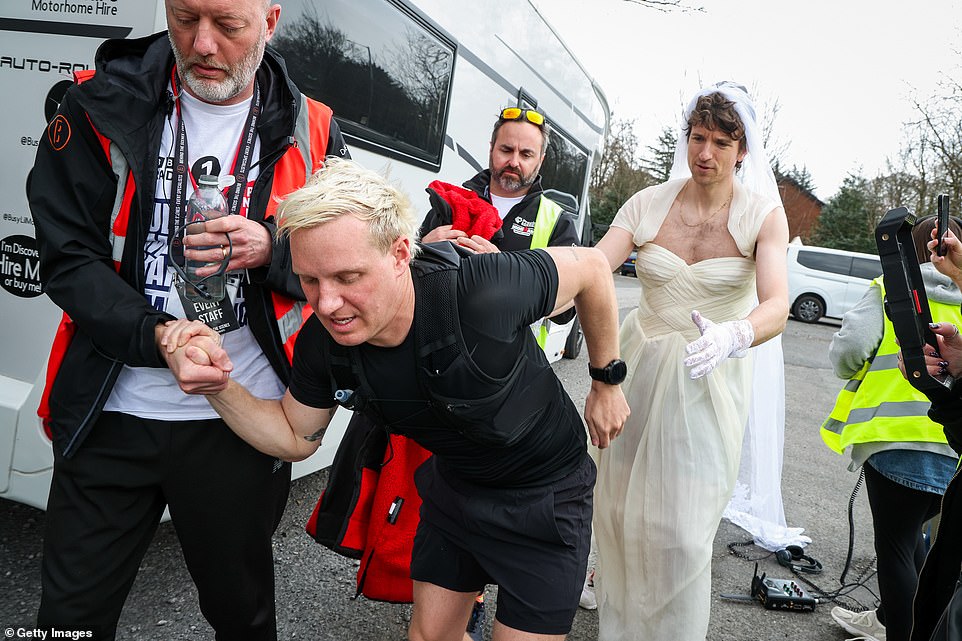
(217, 312)
(218, 315)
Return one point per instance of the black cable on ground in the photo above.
(841, 595)
(743, 555)
(851, 524)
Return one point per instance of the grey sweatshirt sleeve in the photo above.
(860, 335)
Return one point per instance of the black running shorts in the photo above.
(533, 543)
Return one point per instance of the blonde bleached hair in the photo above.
(342, 187)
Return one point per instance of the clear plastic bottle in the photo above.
(206, 203)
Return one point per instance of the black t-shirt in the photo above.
(499, 296)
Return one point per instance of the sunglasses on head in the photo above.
(517, 113)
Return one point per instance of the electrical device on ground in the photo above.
(781, 594)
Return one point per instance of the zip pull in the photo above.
(394, 510)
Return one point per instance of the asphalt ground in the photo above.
(315, 587)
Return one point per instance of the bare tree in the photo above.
(619, 173)
(768, 110)
(939, 132)
(666, 5)
(423, 69)
(929, 161)
(621, 151)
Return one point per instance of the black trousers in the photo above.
(105, 504)
(898, 513)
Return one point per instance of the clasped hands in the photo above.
(195, 357)
(718, 341)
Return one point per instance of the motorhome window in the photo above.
(565, 166)
(867, 268)
(835, 263)
(386, 75)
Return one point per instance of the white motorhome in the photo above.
(415, 85)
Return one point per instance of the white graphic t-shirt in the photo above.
(213, 135)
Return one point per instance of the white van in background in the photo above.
(415, 85)
(827, 282)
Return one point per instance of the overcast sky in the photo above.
(841, 71)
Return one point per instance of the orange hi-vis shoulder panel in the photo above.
(305, 157)
(292, 171)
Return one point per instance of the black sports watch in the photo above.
(613, 373)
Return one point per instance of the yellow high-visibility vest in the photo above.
(877, 404)
(548, 214)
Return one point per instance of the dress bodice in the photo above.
(720, 288)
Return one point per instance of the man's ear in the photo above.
(401, 250)
(273, 15)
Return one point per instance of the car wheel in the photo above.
(576, 338)
(808, 308)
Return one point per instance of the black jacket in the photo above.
(523, 214)
(72, 195)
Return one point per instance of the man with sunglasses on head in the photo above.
(109, 193)
(512, 183)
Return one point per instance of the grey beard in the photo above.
(510, 184)
(238, 77)
(213, 92)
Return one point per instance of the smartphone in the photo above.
(943, 224)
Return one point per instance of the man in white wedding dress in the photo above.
(711, 262)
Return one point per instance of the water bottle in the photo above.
(206, 203)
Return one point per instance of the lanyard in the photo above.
(239, 169)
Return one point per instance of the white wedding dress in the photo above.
(663, 484)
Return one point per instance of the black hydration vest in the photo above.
(487, 410)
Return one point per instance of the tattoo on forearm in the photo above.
(574, 254)
(316, 436)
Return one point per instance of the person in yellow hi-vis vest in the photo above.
(512, 184)
(882, 420)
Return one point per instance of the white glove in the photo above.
(718, 341)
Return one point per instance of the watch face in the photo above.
(613, 373)
(618, 371)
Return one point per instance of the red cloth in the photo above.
(385, 570)
(372, 513)
(469, 212)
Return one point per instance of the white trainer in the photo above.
(588, 599)
(865, 624)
